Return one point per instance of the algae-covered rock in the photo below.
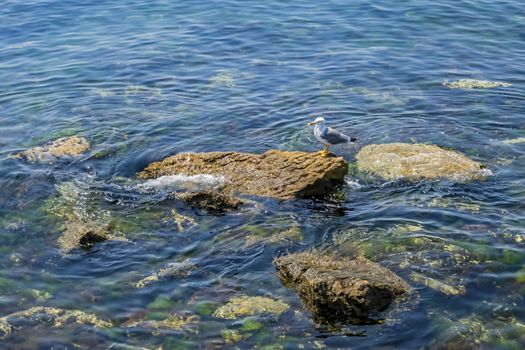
(418, 161)
(340, 289)
(277, 174)
(474, 84)
(50, 316)
(212, 201)
(248, 306)
(65, 146)
(178, 269)
(231, 336)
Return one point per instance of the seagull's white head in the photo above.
(318, 120)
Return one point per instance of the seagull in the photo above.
(329, 136)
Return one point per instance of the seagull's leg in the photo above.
(325, 151)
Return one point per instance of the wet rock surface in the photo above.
(277, 174)
(212, 201)
(65, 146)
(418, 161)
(340, 290)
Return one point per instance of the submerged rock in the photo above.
(174, 322)
(474, 84)
(50, 316)
(440, 286)
(65, 146)
(83, 225)
(293, 234)
(340, 289)
(278, 174)
(180, 269)
(418, 161)
(515, 141)
(248, 306)
(211, 201)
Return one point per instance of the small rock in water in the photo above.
(65, 146)
(248, 306)
(474, 84)
(340, 289)
(419, 161)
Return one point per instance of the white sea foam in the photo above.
(184, 182)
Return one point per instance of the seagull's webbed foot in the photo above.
(325, 151)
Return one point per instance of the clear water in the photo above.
(146, 79)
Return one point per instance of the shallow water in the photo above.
(146, 79)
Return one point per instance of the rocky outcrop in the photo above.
(418, 161)
(212, 201)
(340, 290)
(278, 174)
(63, 147)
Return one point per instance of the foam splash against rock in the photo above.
(184, 182)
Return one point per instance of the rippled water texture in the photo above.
(145, 79)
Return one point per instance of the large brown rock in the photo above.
(340, 290)
(418, 161)
(278, 174)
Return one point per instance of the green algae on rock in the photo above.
(249, 306)
(278, 174)
(340, 289)
(474, 84)
(418, 161)
(63, 147)
(50, 316)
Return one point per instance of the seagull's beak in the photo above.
(311, 123)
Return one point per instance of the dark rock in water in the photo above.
(278, 174)
(212, 201)
(340, 290)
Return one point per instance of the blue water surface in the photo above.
(142, 80)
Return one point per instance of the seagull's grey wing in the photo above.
(334, 137)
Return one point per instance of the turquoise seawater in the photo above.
(142, 80)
